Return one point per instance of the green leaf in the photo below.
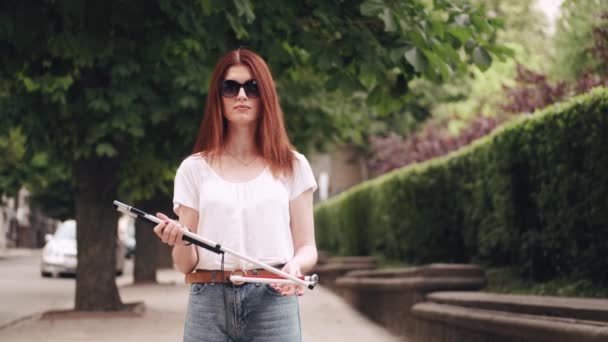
(30, 85)
(105, 149)
(437, 65)
(416, 59)
(481, 24)
(482, 58)
(462, 20)
(447, 53)
(99, 104)
(500, 51)
(237, 27)
(371, 8)
(397, 54)
(40, 159)
(461, 33)
(207, 7)
(389, 21)
(332, 84)
(12, 147)
(245, 8)
(375, 96)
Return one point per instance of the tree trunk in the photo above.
(148, 246)
(96, 236)
(165, 260)
(146, 249)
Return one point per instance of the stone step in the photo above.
(356, 259)
(432, 270)
(445, 322)
(421, 284)
(577, 308)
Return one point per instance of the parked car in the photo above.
(59, 252)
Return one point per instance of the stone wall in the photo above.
(482, 317)
(329, 269)
(386, 296)
(442, 303)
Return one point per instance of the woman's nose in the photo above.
(242, 94)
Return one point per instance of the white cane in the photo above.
(284, 278)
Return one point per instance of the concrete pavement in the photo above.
(7, 253)
(325, 317)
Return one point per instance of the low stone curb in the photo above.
(576, 308)
(440, 322)
(387, 296)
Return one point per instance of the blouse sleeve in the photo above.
(303, 178)
(185, 188)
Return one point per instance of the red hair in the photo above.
(271, 136)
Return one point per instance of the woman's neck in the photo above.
(240, 142)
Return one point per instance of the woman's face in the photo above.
(241, 100)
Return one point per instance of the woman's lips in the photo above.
(241, 108)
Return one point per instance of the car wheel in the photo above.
(46, 274)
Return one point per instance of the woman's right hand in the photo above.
(170, 231)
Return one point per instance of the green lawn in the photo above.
(509, 280)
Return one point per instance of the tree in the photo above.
(114, 89)
(574, 37)
(13, 150)
(524, 31)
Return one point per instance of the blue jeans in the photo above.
(252, 312)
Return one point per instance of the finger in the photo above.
(162, 216)
(158, 229)
(167, 232)
(173, 236)
(288, 290)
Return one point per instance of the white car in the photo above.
(59, 253)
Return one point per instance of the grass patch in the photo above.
(510, 281)
(384, 262)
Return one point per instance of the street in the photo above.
(23, 292)
(24, 295)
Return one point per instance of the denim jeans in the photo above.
(255, 313)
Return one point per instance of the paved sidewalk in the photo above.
(7, 253)
(325, 317)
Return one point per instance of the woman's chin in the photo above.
(242, 120)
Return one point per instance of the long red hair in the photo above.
(271, 136)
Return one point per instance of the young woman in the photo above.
(245, 187)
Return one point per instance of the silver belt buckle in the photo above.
(243, 273)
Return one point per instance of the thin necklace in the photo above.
(240, 161)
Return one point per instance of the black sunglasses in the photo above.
(231, 88)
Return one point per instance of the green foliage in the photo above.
(106, 79)
(510, 280)
(103, 89)
(49, 183)
(524, 32)
(363, 60)
(574, 37)
(523, 25)
(531, 194)
(12, 150)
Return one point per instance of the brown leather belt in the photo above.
(215, 276)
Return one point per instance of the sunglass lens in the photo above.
(251, 89)
(230, 88)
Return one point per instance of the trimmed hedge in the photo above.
(534, 194)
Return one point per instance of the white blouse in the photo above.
(251, 217)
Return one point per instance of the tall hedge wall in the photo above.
(534, 194)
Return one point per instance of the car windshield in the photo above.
(66, 231)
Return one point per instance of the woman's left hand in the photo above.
(290, 289)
